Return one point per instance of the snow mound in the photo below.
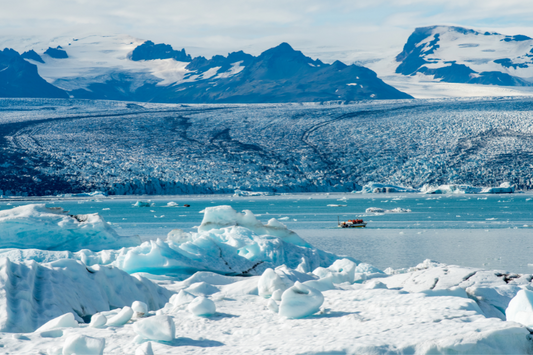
(300, 301)
(520, 308)
(37, 226)
(34, 293)
(381, 210)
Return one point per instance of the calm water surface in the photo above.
(493, 231)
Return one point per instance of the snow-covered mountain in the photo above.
(126, 68)
(460, 55)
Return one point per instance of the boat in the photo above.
(351, 223)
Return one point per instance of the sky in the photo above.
(348, 30)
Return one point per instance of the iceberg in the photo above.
(450, 189)
(241, 193)
(52, 228)
(504, 188)
(375, 188)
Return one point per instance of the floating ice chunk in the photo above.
(36, 226)
(202, 307)
(239, 193)
(145, 349)
(300, 301)
(269, 282)
(381, 210)
(83, 345)
(67, 320)
(159, 328)
(283, 219)
(140, 308)
(375, 188)
(142, 204)
(121, 318)
(202, 288)
(98, 320)
(504, 188)
(172, 204)
(183, 297)
(520, 308)
(273, 305)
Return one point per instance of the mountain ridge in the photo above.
(123, 68)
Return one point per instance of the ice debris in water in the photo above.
(52, 228)
(300, 301)
(172, 204)
(143, 204)
(83, 345)
(381, 210)
(202, 307)
(159, 328)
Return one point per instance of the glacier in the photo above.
(264, 148)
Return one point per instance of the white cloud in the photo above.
(346, 29)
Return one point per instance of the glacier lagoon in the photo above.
(483, 231)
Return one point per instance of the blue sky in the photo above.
(328, 29)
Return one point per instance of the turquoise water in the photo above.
(491, 231)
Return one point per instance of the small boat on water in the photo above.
(351, 223)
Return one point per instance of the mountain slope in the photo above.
(460, 55)
(18, 78)
(125, 68)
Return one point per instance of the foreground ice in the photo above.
(51, 228)
(421, 315)
(34, 293)
(296, 300)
